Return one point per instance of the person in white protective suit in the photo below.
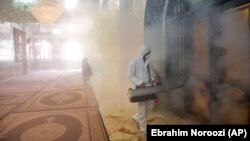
(140, 73)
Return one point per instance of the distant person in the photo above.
(140, 73)
(86, 71)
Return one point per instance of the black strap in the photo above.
(149, 74)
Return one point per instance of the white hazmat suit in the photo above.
(139, 72)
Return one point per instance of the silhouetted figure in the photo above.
(86, 71)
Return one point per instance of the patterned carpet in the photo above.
(59, 100)
(60, 125)
(57, 108)
(25, 82)
(5, 109)
(15, 98)
(61, 86)
(19, 88)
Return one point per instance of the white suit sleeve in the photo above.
(131, 74)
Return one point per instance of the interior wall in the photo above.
(154, 34)
(210, 99)
(8, 66)
(201, 50)
(237, 50)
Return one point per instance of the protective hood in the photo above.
(144, 50)
(139, 70)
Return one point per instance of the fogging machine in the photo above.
(148, 92)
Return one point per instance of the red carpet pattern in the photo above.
(59, 100)
(49, 106)
(20, 88)
(67, 125)
(15, 98)
(5, 109)
(61, 86)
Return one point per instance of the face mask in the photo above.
(147, 57)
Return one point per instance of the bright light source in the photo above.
(73, 28)
(83, 27)
(70, 4)
(72, 50)
(56, 31)
(44, 49)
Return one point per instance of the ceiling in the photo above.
(8, 13)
